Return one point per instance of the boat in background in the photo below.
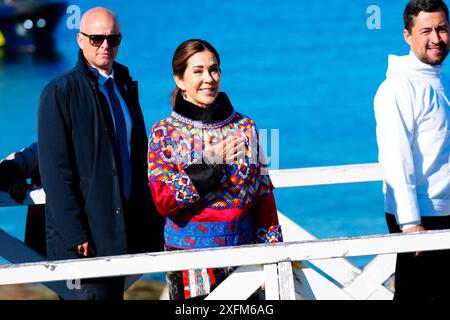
(29, 25)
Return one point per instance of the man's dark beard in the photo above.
(444, 49)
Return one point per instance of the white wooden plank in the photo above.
(311, 285)
(382, 293)
(326, 175)
(271, 282)
(373, 275)
(226, 256)
(242, 283)
(339, 269)
(286, 280)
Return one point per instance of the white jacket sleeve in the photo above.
(395, 130)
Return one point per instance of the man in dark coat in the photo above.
(92, 147)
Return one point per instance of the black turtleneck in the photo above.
(205, 176)
(219, 110)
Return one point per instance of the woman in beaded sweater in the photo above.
(205, 172)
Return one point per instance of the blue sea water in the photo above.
(309, 69)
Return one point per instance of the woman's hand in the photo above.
(226, 151)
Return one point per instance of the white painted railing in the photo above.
(315, 176)
(302, 267)
(280, 178)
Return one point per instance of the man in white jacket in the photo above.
(412, 111)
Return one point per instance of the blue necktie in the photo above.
(121, 137)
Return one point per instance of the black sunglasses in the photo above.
(96, 40)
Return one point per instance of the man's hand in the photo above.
(18, 191)
(414, 229)
(85, 250)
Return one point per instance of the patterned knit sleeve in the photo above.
(170, 186)
(265, 213)
(268, 229)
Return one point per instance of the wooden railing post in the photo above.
(286, 280)
(279, 281)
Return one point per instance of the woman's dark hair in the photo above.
(182, 54)
(414, 7)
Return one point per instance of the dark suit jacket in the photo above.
(80, 170)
